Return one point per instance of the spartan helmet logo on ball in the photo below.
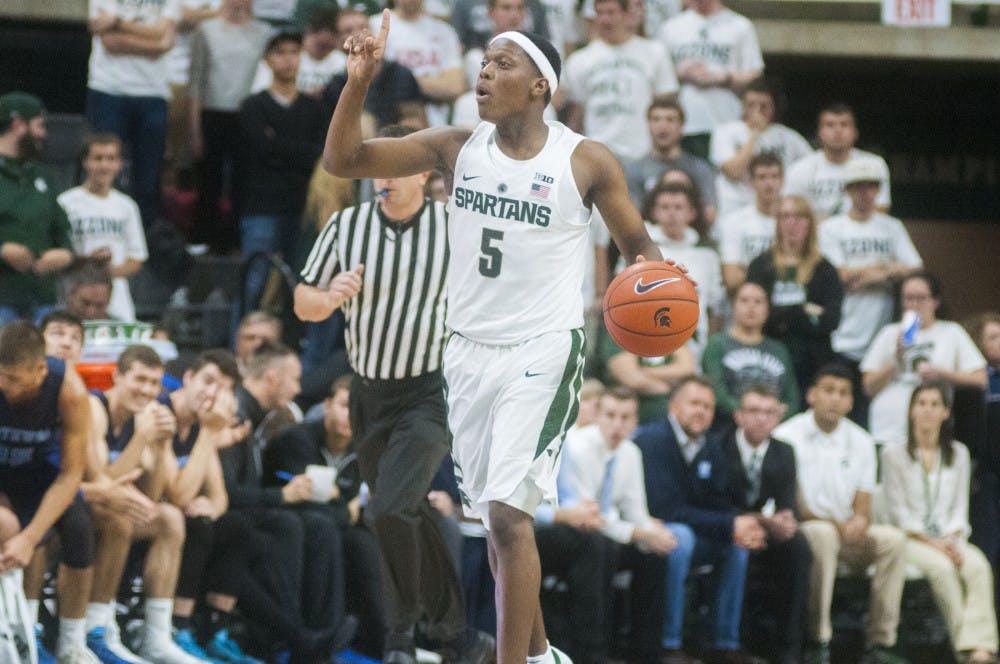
(662, 317)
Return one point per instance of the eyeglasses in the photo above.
(761, 412)
(917, 298)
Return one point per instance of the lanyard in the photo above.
(933, 529)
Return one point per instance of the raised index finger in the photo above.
(383, 32)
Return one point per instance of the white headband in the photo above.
(535, 54)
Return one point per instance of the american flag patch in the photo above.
(539, 190)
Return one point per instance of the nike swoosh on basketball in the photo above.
(641, 288)
(466, 178)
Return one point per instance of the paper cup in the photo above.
(322, 478)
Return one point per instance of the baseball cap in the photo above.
(19, 105)
(863, 169)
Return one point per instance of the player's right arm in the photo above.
(346, 154)
(75, 417)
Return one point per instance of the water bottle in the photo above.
(910, 326)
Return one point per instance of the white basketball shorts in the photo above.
(509, 408)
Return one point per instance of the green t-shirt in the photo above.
(732, 367)
(29, 215)
(652, 407)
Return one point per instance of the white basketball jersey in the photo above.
(518, 233)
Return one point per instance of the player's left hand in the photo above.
(670, 261)
(16, 552)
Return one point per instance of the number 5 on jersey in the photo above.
(489, 262)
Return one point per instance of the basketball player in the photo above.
(44, 419)
(521, 197)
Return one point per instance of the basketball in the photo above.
(651, 309)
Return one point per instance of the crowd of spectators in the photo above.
(809, 423)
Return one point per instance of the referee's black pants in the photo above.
(400, 432)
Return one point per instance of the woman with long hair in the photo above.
(927, 496)
(898, 359)
(804, 288)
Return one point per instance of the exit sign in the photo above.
(916, 12)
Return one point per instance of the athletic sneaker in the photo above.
(224, 649)
(99, 646)
(77, 655)
(185, 640)
(159, 648)
(113, 638)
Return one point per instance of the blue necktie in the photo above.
(607, 486)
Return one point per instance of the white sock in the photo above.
(544, 657)
(158, 613)
(33, 611)
(98, 615)
(72, 634)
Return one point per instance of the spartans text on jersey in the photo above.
(501, 207)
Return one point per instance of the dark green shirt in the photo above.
(29, 215)
(732, 367)
(652, 407)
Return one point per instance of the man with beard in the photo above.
(33, 226)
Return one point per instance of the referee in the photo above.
(385, 263)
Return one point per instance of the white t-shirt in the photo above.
(727, 139)
(131, 75)
(745, 235)
(563, 23)
(703, 266)
(615, 84)
(821, 182)
(312, 73)
(944, 344)
(179, 57)
(724, 42)
(831, 467)
(274, 10)
(427, 46)
(656, 12)
(112, 222)
(853, 244)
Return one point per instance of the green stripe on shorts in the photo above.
(565, 405)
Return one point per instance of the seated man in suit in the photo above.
(687, 482)
(835, 463)
(327, 442)
(601, 476)
(763, 474)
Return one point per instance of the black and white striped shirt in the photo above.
(395, 325)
